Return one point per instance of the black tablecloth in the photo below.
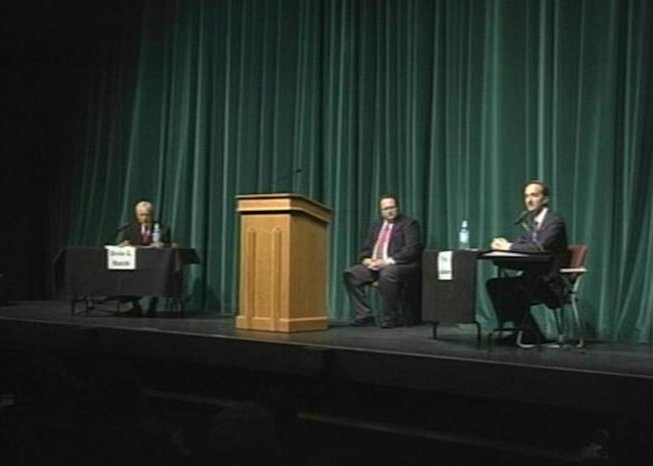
(455, 300)
(82, 271)
(449, 300)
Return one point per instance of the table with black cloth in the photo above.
(81, 272)
(454, 301)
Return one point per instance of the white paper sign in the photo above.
(121, 257)
(445, 265)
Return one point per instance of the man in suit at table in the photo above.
(140, 231)
(391, 255)
(544, 232)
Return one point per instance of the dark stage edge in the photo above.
(611, 384)
(604, 376)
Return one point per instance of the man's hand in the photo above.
(374, 264)
(500, 244)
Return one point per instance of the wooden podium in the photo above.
(283, 263)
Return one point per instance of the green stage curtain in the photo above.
(451, 105)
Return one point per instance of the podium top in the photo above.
(282, 202)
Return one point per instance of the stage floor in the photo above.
(397, 382)
(453, 342)
(405, 356)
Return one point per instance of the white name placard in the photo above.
(121, 257)
(445, 265)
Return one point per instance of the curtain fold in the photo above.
(450, 104)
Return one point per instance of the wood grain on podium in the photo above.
(283, 263)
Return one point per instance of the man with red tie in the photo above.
(391, 256)
(139, 232)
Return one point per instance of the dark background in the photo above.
(48, 54)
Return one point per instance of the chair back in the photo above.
(577, 255)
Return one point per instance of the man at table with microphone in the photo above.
(512, 296)
(141, 232)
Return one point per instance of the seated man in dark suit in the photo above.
(545, 232)
(141, 232)
(391, 255)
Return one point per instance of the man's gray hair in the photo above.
(146, 204)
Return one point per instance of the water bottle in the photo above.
(156, 235)
(463, 236)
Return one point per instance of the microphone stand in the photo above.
(116, 231)
(273, 185)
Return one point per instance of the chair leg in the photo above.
(87, 301)
(478, 332)
(560, 338)
(524, 325)
(89, 305)
(521, 344)
(577, 322)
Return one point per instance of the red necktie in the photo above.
(382, 241)
(145, 235)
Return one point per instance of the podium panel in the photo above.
(283, 263)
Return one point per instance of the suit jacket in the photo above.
(133, 234)
(551, 237)
(405, 245)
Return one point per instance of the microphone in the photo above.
(116, 231)
(124, 227)
(521, 217)
(526, 220)
(296, 171)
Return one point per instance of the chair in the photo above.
(410, 303)
(573, 275)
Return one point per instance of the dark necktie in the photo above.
(534, 232)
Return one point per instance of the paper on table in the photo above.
(445, 265)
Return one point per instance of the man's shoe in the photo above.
(388, 324)
(508, 340)
(135, 311)
(362, 321)
(530, 338)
